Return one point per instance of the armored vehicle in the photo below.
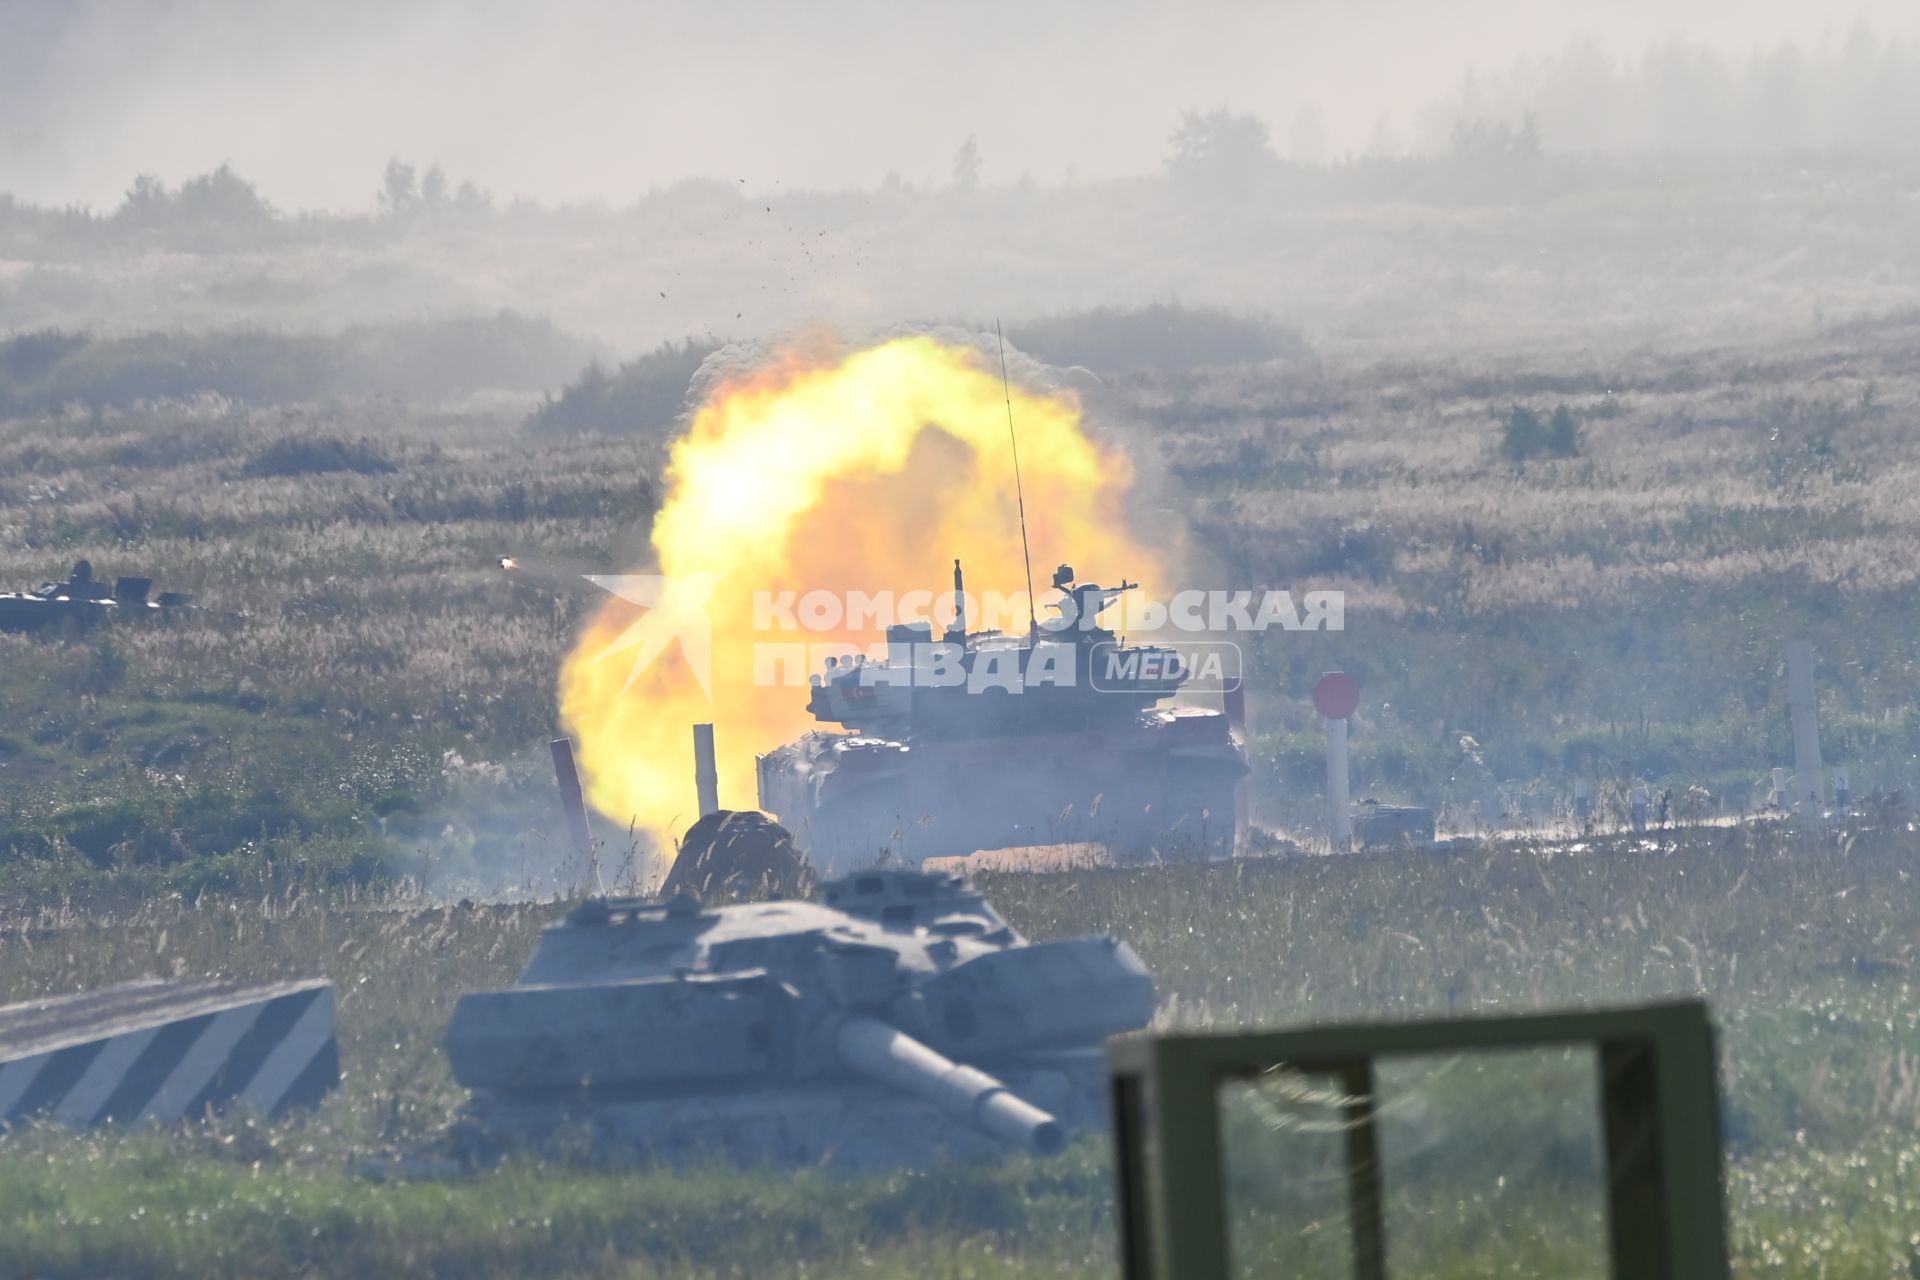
(83, 601)
(892, 1019)
(983, 740)
(1378, 826)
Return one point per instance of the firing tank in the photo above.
(893, 1019)
(83, 601)
(984, 740)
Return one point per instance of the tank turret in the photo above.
(894, 1017)
(1071, 672)
(984, 740)
(84, 601)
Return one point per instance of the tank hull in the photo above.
(1162, 786)
(83, 602)
(893, 1019)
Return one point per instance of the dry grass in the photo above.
(1712, 469)
(362, 683)
(1560, 614)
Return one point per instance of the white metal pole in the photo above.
(706, 779)
(573, 805)
(1339, 806)
(1236, 708)
(1807, 771)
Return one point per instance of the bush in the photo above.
(1221, 154)
(217, 198)
(1525, 437)
(642, 395)
(44, 371)
(221, 197)
(32, 356)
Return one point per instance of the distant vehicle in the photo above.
(939, 769)
(83, 601)
(891, 1020)
(1384, 826)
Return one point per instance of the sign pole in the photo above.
(1236, 708)
(1807, 789)
(1339, 805)
(1335, 698)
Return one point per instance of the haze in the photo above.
(603, 102)
(348, 350)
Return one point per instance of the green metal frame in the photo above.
(1660, 1117)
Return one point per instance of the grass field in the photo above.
(1805, 949)
(363, 685)
(348, 738)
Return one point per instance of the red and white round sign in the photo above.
(1336, 695)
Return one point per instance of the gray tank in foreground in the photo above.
(893, 1020)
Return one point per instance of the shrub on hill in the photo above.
(643, 395)
(1527, 436)
(48, 370)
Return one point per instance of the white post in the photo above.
(1807, 770)
(1637, 800)
(1235, 701)
(1582, 801)
(706, 779)
(1339, 806)
(573, 805)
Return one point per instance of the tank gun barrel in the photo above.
(891, 1057)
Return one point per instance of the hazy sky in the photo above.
(583, 101)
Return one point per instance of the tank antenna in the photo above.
(1026, 553)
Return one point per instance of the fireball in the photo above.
(868, 471)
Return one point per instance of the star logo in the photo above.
(676, 611)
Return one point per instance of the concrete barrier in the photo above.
(155, 1052)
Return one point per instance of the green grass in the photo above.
(1805, 949)
(1620, 614)
(128, 1206)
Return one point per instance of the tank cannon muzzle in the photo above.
(891, 1057)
